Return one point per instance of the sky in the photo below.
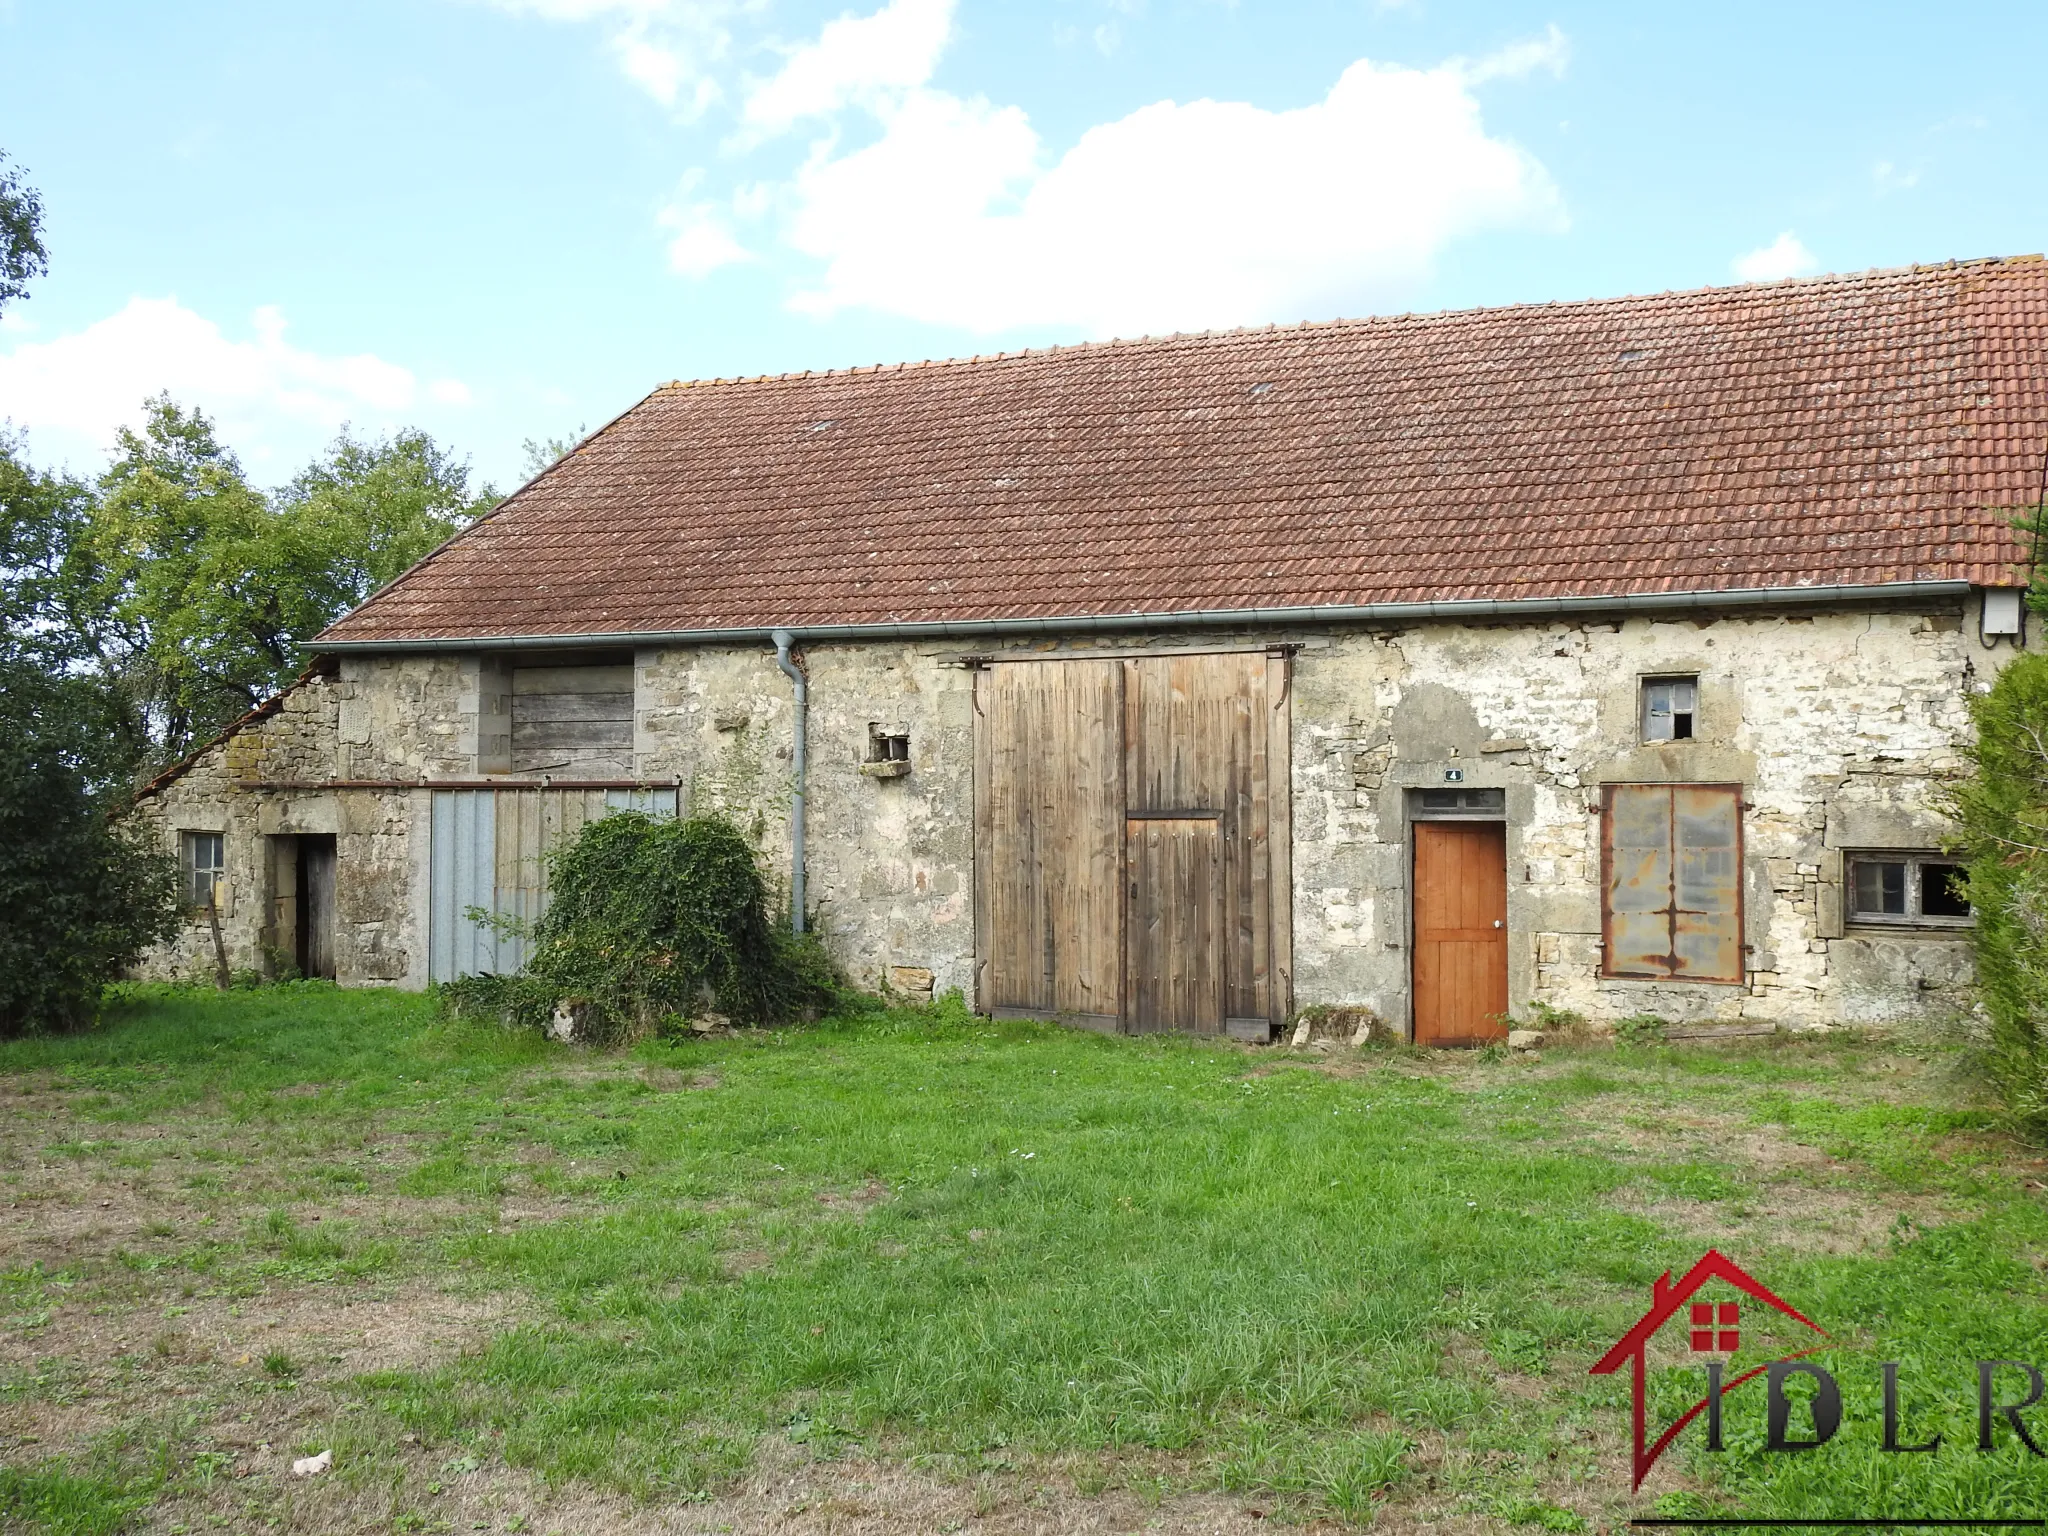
(509, 219)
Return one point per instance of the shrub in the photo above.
(2003, 810)
(1641, 1029)
(649, 920)
(80, 898)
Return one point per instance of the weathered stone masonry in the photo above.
(1839, 724)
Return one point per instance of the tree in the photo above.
(194, 592)
(22, 255)
(81, 898)
(543, 454)
(370, 510)
(2003, 810)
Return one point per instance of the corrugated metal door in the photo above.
(489, 850)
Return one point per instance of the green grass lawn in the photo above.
(998, 1268)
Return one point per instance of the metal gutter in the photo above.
(1454, 610)
(800, 732)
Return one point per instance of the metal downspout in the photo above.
(783, 641)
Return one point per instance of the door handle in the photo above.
(1497, 922)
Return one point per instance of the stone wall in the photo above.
(264, 786)
(890, 858)
(1839, 724)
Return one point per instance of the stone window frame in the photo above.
(1914, 862)
(190, 868)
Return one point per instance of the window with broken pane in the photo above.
(1670, 708)
(1907, 888)
(205, 862)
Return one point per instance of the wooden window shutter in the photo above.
(1671, 865)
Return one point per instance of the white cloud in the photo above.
(1549, 52)
(1175, 217)
(864, 60)
(666, 47)
(1783, 257)
(703, 242)
(82, 386)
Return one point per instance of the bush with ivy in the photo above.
(2003, 811)
(651, 922)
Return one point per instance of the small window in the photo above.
(1907, 888)
(888, 744)
(1669, 708)
(205, 861)
(1461, 802)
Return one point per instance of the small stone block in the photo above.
(1525, 1039)
(892, 768)
(914, 980)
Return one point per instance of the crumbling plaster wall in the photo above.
(890, 865)
(1839, 725)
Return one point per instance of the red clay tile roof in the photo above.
(1838, 431)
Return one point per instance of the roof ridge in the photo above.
(1154, 340)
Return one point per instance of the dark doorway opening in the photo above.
(315, 925)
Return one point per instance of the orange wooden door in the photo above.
(1461, 932)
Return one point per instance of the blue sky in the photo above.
(500, 219)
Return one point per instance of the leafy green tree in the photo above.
(80, 896)
(370, 510)
(194, 592)
(22, 256)
(2003, 809)
(544, 453)
(184, 575)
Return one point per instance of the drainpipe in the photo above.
(783, 641)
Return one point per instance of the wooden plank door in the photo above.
(1050, 841)
(1198, 831)
(1461, 932)
(315, 936)
(1131, 821)
(1178, 951)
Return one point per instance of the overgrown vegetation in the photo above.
(80, 897)
(2003, 810)
(649, 923)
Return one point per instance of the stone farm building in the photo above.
(1607, 655)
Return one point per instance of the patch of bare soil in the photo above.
(1802, 1218)
(854, 1202)
(102, 1362)
(789, 1493)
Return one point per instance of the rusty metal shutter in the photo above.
(1671, 863)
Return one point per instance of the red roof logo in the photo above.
(1715, 1328)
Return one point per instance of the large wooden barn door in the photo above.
(1131, 841)
(1050, 841)
(1461, 939)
